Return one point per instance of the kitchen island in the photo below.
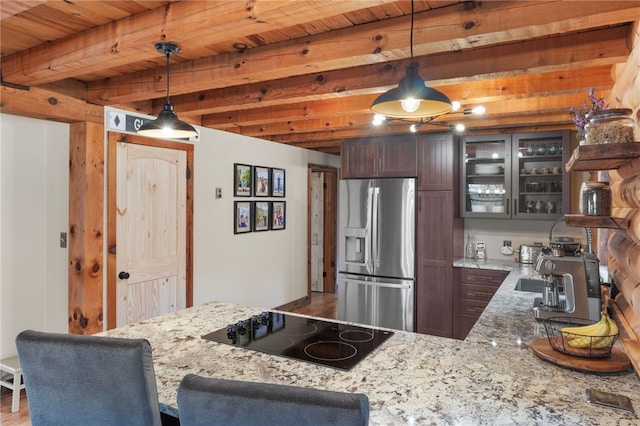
(490, 378)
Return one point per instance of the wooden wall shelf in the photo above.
(581, 221)
(602, 156)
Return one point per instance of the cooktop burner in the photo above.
(312, 340)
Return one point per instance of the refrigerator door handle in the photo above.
(405, 284)
(375, 243)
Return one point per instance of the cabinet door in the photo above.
(486, 176)
(434, 277)
(359, 158)
(397, 156)
(389, 156)
(437, 162)
(540, 184)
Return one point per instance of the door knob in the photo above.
(123, 275)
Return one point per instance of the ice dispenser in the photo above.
(355, 241)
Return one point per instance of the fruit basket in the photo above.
(582, 337)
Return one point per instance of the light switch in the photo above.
(63, 240)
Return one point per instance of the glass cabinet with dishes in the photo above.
(518, 176)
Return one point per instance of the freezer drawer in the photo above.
(375, 301)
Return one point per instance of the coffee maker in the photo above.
(572, 287)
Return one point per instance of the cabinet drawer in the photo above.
(472, 307)
(482, 276)
(481, 293)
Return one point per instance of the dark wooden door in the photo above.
(397, 156)
(359, 158)
(388, 156)
(434, 254)
(438, 162)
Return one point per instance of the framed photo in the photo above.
(278, 214)
(262, 218)
(261, 176)
(277, 182)
(242, 180)
(242, 214)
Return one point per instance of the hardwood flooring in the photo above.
(7, 418)
(324, 305)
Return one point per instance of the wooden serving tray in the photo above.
(616, 363)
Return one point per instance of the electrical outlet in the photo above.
(218, 192)
(506, 243)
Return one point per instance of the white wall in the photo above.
(264, 269)
(34, 182)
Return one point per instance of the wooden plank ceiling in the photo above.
(304, 72)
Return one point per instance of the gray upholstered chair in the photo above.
(88, 380)
(210, 401)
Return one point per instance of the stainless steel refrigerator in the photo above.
(376, 225)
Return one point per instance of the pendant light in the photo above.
(412, 99)
(167, 124)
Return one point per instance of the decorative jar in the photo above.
(596, 199)
(610, 126)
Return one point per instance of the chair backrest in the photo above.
(89, 380)
(210, 401)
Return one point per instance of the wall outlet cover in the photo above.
(506, 250)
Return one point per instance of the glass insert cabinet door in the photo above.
(539, 184)
(517, 176)
(486, 170)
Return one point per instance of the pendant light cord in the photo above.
(411, 33)
(168, 53)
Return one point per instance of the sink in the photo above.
(530, 284)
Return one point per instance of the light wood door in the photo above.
(150, 232)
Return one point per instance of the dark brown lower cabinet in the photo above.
(473, 289)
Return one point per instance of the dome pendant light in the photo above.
(412, 99)
(167, 124)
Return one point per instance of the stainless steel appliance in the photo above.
(313, 340)
(572, 287)
(376, 241)
(528, 253)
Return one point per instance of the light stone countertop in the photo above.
(491, 378)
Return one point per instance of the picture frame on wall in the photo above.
(242, 180)
(278, 183)
(261, 176)
(262, 216)
(278, 215)
(243, 217)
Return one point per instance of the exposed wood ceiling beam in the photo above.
(499, 22)
(493, 91)
(603, 47)
(131, 39)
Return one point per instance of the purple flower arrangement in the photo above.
(581, 116)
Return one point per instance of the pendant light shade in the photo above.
(411, 99)
(167, 124)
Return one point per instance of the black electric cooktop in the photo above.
(327, 343)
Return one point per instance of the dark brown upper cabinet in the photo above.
(384, 156)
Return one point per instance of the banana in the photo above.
(611, 335)
(598, 335)
(613, 327)
(586, 329)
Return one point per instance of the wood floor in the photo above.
(7, 418)
(322, 305)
